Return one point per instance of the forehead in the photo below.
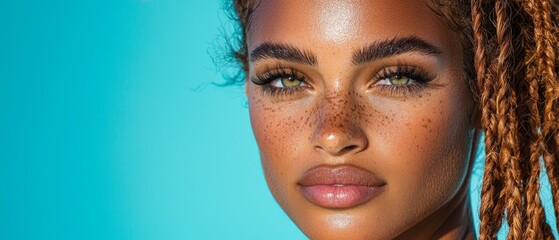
(346, 23)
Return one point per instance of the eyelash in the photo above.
(264, 81)
(420, 79)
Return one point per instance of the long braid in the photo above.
(548, 67)
(507, 123)
(536, 227)
(491, 214)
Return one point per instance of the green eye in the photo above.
(287, 82)
(290, 82)
(399, 80)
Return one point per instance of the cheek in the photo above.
(429, 149)
(282, 133)
(278, 130)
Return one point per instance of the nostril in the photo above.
(347, 149)
(338, 151)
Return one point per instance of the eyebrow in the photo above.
(283, 52)
(372, 52)
(393, 47)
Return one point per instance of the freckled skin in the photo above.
(420, 144)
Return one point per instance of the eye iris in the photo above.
(290, 82)
(399, 80)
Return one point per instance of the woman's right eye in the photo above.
(285, 85)
(281, 82)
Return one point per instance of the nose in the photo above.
(338, 130)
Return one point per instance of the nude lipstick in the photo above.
(339, 187)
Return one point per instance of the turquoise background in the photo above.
(110, 127)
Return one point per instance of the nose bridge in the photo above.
(337, 109)
(338, 129)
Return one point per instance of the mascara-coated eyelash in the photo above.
(280, 81)
(402, 79)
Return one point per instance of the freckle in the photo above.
(429, 120)
(424, 125)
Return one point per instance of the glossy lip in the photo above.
(339, 187)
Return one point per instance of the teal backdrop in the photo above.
(110, 127)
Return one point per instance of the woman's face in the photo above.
(362, 114)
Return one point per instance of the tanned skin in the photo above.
(341, 103)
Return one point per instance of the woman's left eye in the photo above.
(396, 80)
(402, 80)
(287, 82)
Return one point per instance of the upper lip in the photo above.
(340, 175)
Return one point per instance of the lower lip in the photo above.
(339, 196)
